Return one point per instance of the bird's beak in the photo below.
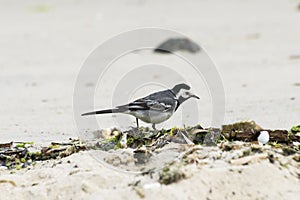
(195, 96)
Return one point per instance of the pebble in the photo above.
(263, 138)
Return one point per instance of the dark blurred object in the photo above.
(177, 44)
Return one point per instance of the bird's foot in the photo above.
(153, 126)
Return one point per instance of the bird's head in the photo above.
(182, 92)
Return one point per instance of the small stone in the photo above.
(106, 133)
(178, 44)
(123, 141)
(263, 138)
(3, 167)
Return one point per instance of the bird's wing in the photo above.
(151, 104)
(162, 101)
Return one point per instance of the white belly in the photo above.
(153, 117)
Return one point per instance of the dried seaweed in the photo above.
(19, 155)
(144, 141)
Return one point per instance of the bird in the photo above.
(154, 108)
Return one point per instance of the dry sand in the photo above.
(255, 45)
(211, 174)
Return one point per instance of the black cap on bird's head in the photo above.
(182, 92)
(180, 86)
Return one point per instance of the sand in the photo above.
(254, 45)
(211, 174)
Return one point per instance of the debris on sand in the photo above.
(242, 131)
(297, 84)
(171, 174)
(17, 155)
(177, 44)
(9, 181)
(296, 130)
(294, 57)
(249, 131)
(249, 159)
(143, 148)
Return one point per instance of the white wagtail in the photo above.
(154, 108)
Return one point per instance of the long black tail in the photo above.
(119, 109)
(101, 112)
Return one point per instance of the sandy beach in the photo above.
(43, 45)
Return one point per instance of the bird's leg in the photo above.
(137, 123)
(153, 126)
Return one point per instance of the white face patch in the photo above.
(183, 93)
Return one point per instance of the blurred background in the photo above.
(43, 44)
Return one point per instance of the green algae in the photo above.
(171, 174)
